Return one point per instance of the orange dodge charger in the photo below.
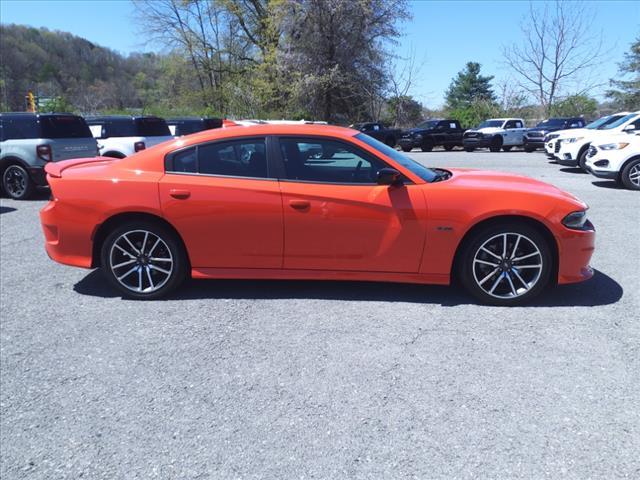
(310, 202)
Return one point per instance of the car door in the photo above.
(336, 217)
(514, 132)
(222, 199)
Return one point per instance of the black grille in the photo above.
(557, 147)
(534, 134)
(471, 134)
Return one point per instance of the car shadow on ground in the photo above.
(608, 184)
(40, 193)
(4, 209)
(600, 290)
(573, 170)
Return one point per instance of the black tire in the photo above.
(16, 182)
(390, 142)
(171, 247)
(448, 148)
(469, 149)
(529, 149)
(472, 273)
(406, 149)
(427, 145)
(507, 148)
(629, 175)
(496, 144)
(582, 158)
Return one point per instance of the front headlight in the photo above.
(577, 221)
(613, 146)
(572, 140)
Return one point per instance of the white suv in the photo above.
(616, 157)
(494, 134)
(573, 146)
(120, 136)
(552, 145)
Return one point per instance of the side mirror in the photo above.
(389, 176)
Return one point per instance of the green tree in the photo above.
(472, 114)
(469, 88)
(403, 111)
(575, 105)
(57, 105)
(626, 95)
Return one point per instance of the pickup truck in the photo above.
(495, 134)
(432, 133)
(534, 137)
(379, 131)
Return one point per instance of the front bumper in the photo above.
(607, 174)
(408, 143)
(575, 250)
(533, 142)
(476, 142)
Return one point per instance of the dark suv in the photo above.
(534, 137)
(432, 133)
(188, 125)
(28, 141)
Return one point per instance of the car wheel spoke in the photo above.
(490, 253)
(126, 239)
(484, 262)
(513, 289)
(515, 247)
(484, 280)
(524, 257)
(129, 272)
(495, 284)
(128, 262)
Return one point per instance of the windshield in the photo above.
(428, 124)
(64, 126)
(601, 121)
(423, 172)
(552, 122)
(618, 122)
(152, 127)
(491, 123)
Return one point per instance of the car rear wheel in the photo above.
(496, 144)
(143, 260)
(448, 148)
(507, 148)
(17, 183)
(631, 175)
(390, 141)
(469, 149)
(506, 264)
(406, 149)
(529, 149)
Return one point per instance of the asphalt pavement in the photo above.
(279, 379)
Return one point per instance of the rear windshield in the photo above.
(152, 127)
(64, 126)
(18, 128)
(189, 126)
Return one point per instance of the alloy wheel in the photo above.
(507, 265)
(141, 261)
(634, 175)
(14, 180)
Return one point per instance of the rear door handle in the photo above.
(299, 204)
(180, 194)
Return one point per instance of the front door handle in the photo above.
(299, 204)
(180, 194)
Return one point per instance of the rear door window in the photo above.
(18, 128)
(64, 126)
(152, 127)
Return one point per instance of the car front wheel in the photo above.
(496, 144)
(631, 175)
(143, 260)
(506, 264)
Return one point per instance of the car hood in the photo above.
(415, 131)
(487, 130)
(495, 182)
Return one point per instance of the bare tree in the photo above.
(559, 52)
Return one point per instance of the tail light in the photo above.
(44, 152)
(139, 146)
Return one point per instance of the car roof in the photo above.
(118, 117)
(35, 115)
(272, 129)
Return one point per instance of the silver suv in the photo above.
(29, 141)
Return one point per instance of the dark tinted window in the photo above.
(242, 158)
(152, 127)
(188, 127)
(513, 124)
(185, 161)
(18, 128)
(64, 126)
(119, 128)
(327, 161)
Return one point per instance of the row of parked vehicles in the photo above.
(608, 148)
(29, 141)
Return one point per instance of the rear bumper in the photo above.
(575, 250)
(76, 249)
(38, 176)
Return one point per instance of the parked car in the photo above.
(534, 137)
(310, 202)
(551, 139)
(495, 134)
(572, 148)
(188, 125)
(616, 157)
(120, 135)
(29, 141)
(432, 133)
(379, 131)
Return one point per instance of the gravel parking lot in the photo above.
(266, 379)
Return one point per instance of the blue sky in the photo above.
(443, 35)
